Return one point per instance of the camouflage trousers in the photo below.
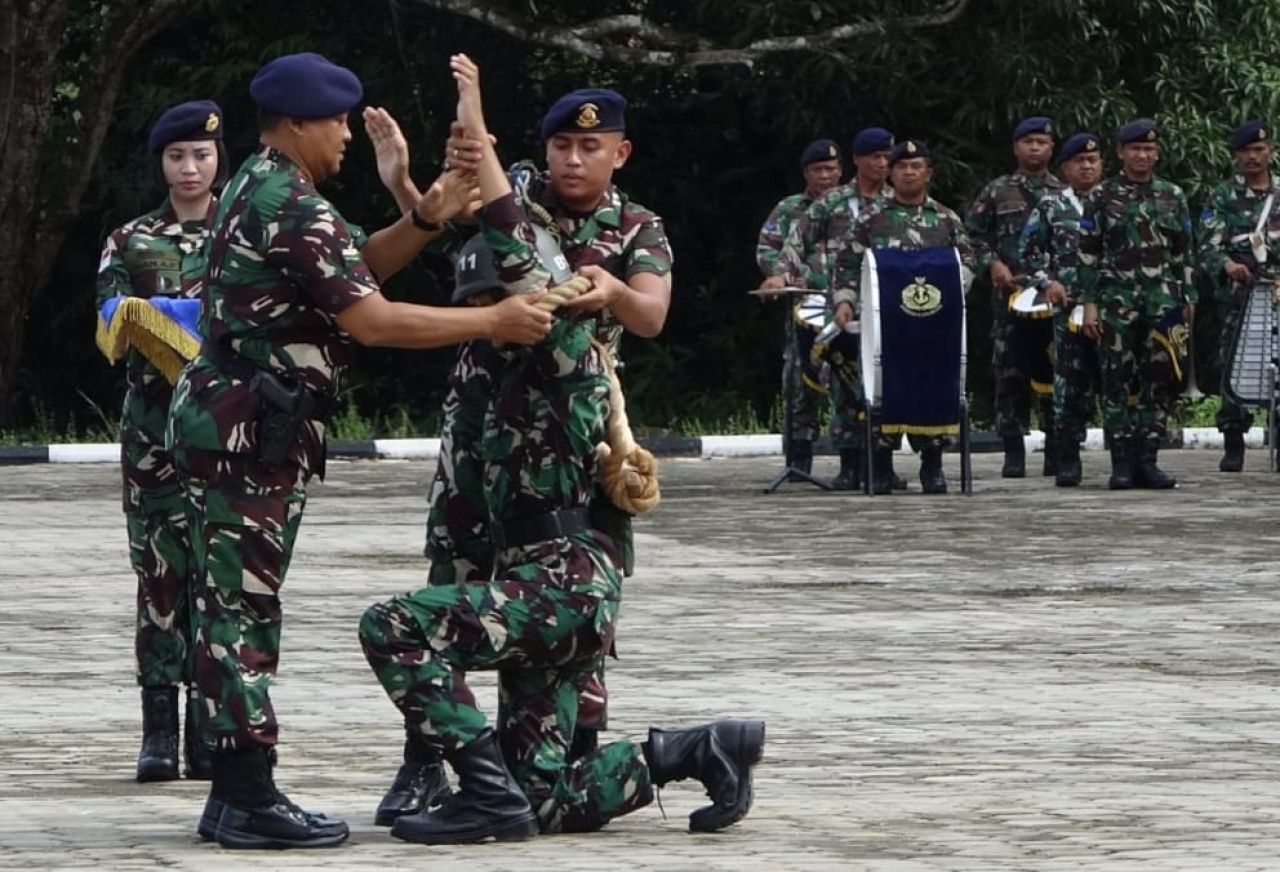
(1018, 354)
(1075, 381)
(244, 522)
(848, 411)
(803, 401)
(1231, 416)
(539, 626)
(1139, 379)
(156, 519)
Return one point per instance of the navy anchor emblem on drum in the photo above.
(921, 299)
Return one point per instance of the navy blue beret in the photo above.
(589, 110)
(305, 85)
(871, 140)
(196, 121)
(1251, 132)
(1077, 143)
(819, 150)
(1034, 124)
(1140, 130)
(908, 148)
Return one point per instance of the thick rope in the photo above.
(628, 471)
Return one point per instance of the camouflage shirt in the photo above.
(154, 255)
(1230, 215)
(812, 247)
(1135, 245)
(282, 265)
(1050, 249)
(997, 216)
(774, 232)
(896, 225)
(619, 236)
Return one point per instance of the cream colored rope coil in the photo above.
(628, 471)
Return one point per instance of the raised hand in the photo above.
(450, 196)
(389, 146)
(470, 105)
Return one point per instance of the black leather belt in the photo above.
(229, 363)
(519, 532)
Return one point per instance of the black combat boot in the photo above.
(799, 458)
(585, 741)
(420, 783)
(487, 805)
(1147, 474)
(1015, 457)
(158, 757)
(1232, 450)
(1069, 472)
(255, 814)
(720, 755)
(932, 478)
(1121, 464)
(1048, 425)
(850, 475)
(198, 760)
(882, 466)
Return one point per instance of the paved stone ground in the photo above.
(1029, 678)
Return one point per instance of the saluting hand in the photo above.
(518, 320)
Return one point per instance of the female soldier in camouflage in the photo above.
(161, 254)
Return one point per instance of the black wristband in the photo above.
(423, 224)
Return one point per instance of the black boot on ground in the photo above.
(932, 478)
(1232, 451)
(196, 757)
(1121, 465)
(255, 814)
(1051, 456)
(721, 755)
(1147, 474)
(882, 466)
(158, 757)
(488, 803)
(799, 458)
(1069, 471)
(1015, 457)
(850, 475)
(420, 784)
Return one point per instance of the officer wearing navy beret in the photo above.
(292, 288)
(160, 255)
(995, 221)
(1136, 270)
(820, 164)
(1238, 244)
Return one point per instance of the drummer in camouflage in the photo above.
(1240, 244)
(910, 220)
(1135, 274)
(1050, 254)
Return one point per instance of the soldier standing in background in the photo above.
(911, 219)
(820, 163)
(1135, 270)
(995, 222)
(1239, 244)
(1050, 253)
(161, 254)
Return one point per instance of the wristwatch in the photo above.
(423, 224)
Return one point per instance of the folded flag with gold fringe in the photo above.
(165, 330)
(1171, 334)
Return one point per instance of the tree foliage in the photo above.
(716, 135)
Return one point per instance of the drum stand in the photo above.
(790, 473)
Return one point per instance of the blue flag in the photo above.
(165, 330)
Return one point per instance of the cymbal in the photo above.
(768, 292)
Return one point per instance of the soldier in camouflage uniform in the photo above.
(161, 254)
(910, 220)
(554, 599)
(1238, 245)
(1050, 255)
(995, 221)
(1135, 271)
(820, 163)
(288, 288)
(809, 258)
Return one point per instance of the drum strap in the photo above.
(1258, 239)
